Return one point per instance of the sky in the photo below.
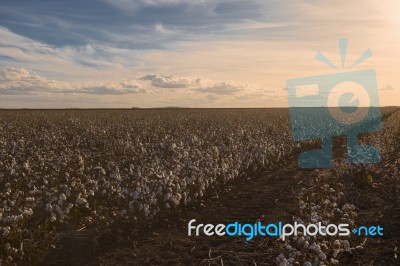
(187, 53)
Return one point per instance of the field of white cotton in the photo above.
(71, 169)
(85, 168)
(330, 197)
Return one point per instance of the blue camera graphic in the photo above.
(340, 104)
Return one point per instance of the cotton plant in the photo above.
(78, 170)
(327, 205)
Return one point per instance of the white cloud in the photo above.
(149, 91)
(221, 87)
(14, 81)
(160, 28)
(20, 81)
(387, 88)
(166, 81)
(201, 85)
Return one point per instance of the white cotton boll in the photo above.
(82, 202)
(27, 212)
(322, 255)
(26, 165)
(80, 160)
(13, 218)
(167, 197)
(53, 218)
(135, 195)
(175, 199)
(6, 231)
(335, 252)
(18, 218)
(48, 207)
(334, 262)
(336, 243)
(30, 199)
(345, 244)
(62, 197)
(284, 262)
(281, 260)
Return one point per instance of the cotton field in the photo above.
(73, 169)
(329, 198)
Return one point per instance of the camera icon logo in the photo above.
(339, 104)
